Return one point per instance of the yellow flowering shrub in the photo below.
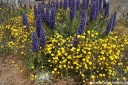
(93, 59)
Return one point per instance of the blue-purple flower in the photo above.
(35, 11)
(38, 25)
(57, 4)
(47, 15)
(66, 4)
(35, 46)
(114, 22)
(78, 4)
(84, 5)
(106, 12)
(100, 5)
(97, 8)
(87, 3)
(75, 41)
(82, 26)
(109, 26)
(93, 12)
(52, 18)
(39, 8)
(42, 38)
(72, 9)
(42, 13)
(25, 20)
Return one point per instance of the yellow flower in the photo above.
(100, 75)
(90, 63)
(42, 66)
(52, 54)
(46, 74)
(78, 50)
(55, 69)
(83, 37)
(102, 52)
(69, 57)
(104, 45)
(83, 75)
(32, 67)
(92, 35)
(59, 53)
(64, 66)
(88, 32)
(92, 76)
(78, 36)
(111, 57)
(53, 72)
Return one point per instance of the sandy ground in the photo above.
(11, 74)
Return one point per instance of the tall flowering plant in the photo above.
(66, 4)
(53, 18)
(72, 9)
(38, 25)
(106, 10)
(78, 4)
(82, 26)
(35, 46)
(25, 20)
(42, 37)
(93, 12)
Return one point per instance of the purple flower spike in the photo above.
(100, 5)
(82, 26)
(109, 26)
(97, 8)
(78, 4)
(84, 5)
(25, 20)
(87, 3)
(114, 22)
(35, 11)
(106, 13)
(75, 41)
(93, 12)
(42, 14)
(72, 9)
(39, 8)
(47, 16)
(53, 18)
(35, 46)
(66, 4)
(42, 38)
(38, 25)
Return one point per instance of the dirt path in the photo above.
(12, 74)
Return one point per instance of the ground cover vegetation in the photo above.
(66, 38)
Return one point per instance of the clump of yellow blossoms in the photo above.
(93, 59)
